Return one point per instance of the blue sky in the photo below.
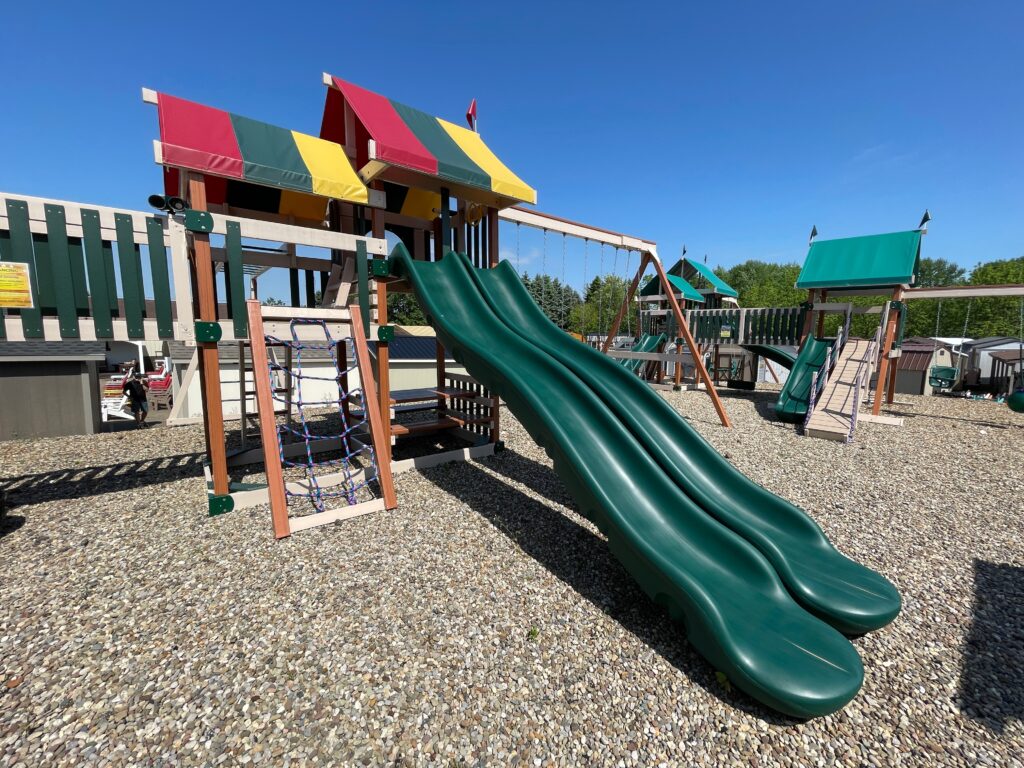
(731, 127)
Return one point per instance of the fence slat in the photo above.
(60, 269)
(131, 275)
(77, 254)
(235, 279)
(108, 266)
(161, 278)
(96, 266)
(20, 243)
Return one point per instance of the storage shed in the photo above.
(50, 389)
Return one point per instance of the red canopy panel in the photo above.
(198, 137)
(396, 143)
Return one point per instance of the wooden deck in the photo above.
(833, 413)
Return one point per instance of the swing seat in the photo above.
(942, 376)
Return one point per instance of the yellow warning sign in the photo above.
(15, 285)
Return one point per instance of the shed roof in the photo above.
(992, 341)
(914, 360)
(870, 261)
(1011, 356)
(53, 350)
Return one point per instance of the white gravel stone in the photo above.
(484, 621)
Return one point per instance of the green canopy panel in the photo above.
(653, 288)
(862, 262)
(718, 284)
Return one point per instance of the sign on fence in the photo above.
(15, 285)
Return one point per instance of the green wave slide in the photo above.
(796, 393)
(736, 609)
(647, 343)
(775, 354)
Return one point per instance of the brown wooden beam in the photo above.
(684, 330)
(889, 335)
(268, 423)
(384, 478)
(209, 357)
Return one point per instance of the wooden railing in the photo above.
(99, 273)
(751, 325)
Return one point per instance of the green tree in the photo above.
(996, 316)
(762, 284)
(404, 309)
(555, 298)
(272, 301)
(922, 314)
(601, 302)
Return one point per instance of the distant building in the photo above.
(50, 389)
(979, 364)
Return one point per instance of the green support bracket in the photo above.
(385, 333)
(900, 307)
(220, 505)
(207, 331)
(499, 446)
(198, 221)
(380, 268)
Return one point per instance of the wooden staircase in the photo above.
(832, 417)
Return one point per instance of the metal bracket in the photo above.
(207, 331)
(198, 221)
(380, 268)
(385, 333)
(220, 505)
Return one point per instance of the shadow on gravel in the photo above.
(992, 679)
(10, 523)
(74, 483)
(581, 559)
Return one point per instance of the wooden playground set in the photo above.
(242, 197)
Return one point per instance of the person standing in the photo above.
(135, 389)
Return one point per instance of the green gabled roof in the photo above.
(862, 262)
(718, 285)
(689, 292)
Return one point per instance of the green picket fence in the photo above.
(72, 256)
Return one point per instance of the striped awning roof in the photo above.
(390, 135)
(653, 288)
(200, 138)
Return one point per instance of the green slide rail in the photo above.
(838, 590)
(775, 354)
(737, 611)
(647, 343)
(796, 394)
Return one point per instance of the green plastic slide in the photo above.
(795, 395)
(775, 354)
(852, 598)
(737, 611)
(646, 343)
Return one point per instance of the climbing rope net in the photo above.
(347, 476)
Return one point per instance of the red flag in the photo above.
(471, 114)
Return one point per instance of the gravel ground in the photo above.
(484, 622)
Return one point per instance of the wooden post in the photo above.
(268, 423)
(242, 405)
(626, 302)
(684, 330)
(883, 367)
(384, 479)
(383, 370)
(808, 319)
(383, 353)
(891, 394)
(441, 378)
(209, 357)
(822, 296)
(492, 261)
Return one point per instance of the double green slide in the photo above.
(646, 343)
(763, 595)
